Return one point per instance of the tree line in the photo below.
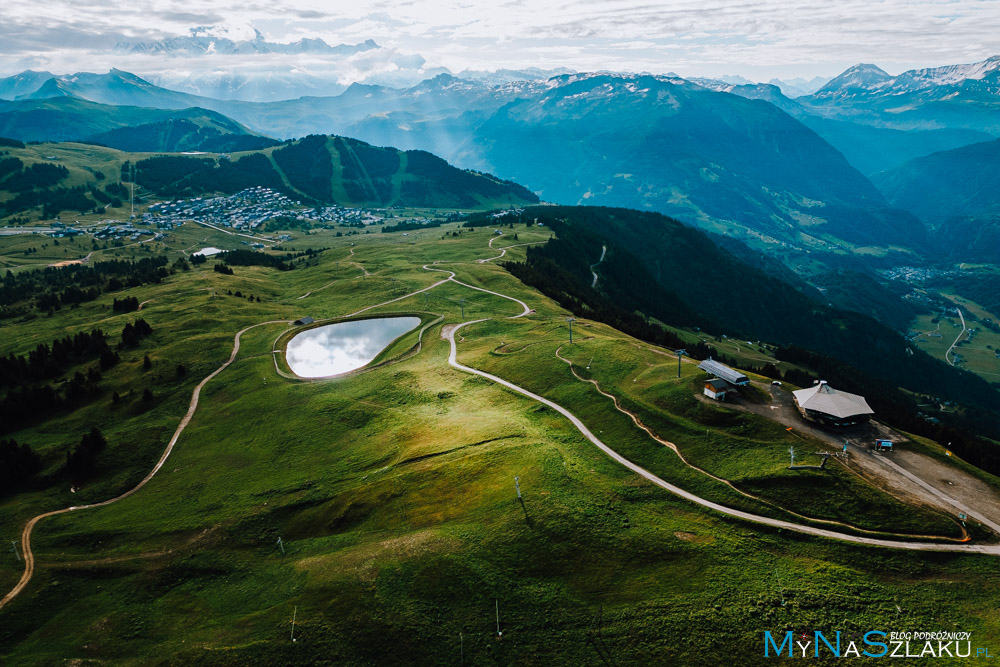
(709, 287)
(52, 288)
(48, 361)
(18, 464)
(31, 399)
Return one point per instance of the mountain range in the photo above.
(956, 96)
(75, 119)
(783, 173)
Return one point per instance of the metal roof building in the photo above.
(304, 320)
(731, 376)
(824, 403)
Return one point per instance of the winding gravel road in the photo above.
(991, 549)
(448, 332)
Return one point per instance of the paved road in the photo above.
(947, 355)
(226, 231)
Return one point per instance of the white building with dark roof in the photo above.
(822, 403)
(716, 389)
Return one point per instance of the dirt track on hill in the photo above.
(942, 476)
(29, 556)
(944, 487)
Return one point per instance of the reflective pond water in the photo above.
(345, 346)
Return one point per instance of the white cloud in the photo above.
(693, 37)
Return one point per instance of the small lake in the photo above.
(338, 348)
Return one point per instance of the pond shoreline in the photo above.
(336, 349)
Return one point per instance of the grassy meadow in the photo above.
(392, 490)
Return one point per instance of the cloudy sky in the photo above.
(759, 40)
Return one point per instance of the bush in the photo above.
(81, 459)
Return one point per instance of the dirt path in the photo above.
(991, 549)
(911, 477)
(638, 422)
(364, 272)
(86, 259)
(503, 251)
(604, 251)
(29, 557)
(449, 332)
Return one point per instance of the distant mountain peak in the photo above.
(798, 86)
(22, 83)
(862, 73)
(860, 77)
(864, 80)
(54, 87)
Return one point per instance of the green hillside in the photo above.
(656, 266)
(73, 119)
(183, 134)
(392, 491)
(50, 178)
(326, 169)
(960, 182)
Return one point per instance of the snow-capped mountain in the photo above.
(735, 79)
(867, 79)
(238, 62)
(501, 76)
(251, 85)
(950, 75)
(955, 96)
(859, 79)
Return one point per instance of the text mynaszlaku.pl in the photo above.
(872, 644)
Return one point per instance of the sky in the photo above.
(757, 40)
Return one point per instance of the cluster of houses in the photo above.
(59, 231)
(123, 231)
(244, 211)
(106, 230)
(500, 215)
(339, 215)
